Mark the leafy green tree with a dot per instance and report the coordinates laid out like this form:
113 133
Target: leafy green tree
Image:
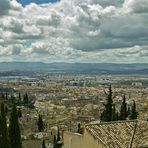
123 111
4 131
134 113
40 124
14 129
107 113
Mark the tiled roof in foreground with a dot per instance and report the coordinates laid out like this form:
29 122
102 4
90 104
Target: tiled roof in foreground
121 134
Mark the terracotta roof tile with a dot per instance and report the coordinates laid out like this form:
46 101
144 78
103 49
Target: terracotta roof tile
120 134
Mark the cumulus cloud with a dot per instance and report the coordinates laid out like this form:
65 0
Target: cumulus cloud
75 31
137 6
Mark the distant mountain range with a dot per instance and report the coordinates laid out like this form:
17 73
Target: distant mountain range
83 68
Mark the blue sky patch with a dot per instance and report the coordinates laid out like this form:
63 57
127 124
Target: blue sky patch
26 2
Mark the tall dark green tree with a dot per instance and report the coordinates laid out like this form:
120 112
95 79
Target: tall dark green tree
0 131
117 116
43 144
79 127
26 99
58 135
107 113
123 111
19 97
114 113
19 113
54 142
6 96
134 113
13 99
57 143
2 96
128 111
4 131
14 129
40 124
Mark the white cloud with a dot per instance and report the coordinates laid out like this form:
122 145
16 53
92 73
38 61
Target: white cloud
75 31
4 7
137 6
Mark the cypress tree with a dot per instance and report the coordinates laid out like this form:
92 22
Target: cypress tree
114 113
134 113
40 123
123 111
55 142
14 129
43 144
128 111
19 113
79 127
0 132
58 135
6 96
6 110
107 113
19 98
3 96
13 99
27 99
4 131
117 116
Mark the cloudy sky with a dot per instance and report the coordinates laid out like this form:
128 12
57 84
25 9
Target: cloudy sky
74 31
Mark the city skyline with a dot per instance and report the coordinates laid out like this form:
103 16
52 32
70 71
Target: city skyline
90 31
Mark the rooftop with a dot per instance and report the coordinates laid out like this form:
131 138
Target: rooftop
121 134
